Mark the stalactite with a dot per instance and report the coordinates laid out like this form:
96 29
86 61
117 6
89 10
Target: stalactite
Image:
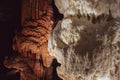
38 7
28 6
31 8
35 8
45 6
42 8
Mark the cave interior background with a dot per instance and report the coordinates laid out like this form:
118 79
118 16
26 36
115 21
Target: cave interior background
10 20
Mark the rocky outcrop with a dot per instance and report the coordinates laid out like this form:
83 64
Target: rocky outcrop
87 41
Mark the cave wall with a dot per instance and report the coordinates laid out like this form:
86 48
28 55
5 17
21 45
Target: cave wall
83 37
30 57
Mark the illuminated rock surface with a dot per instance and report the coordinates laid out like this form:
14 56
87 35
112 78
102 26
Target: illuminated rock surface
87 41
31 58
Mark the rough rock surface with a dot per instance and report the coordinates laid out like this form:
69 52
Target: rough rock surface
30 43
87 41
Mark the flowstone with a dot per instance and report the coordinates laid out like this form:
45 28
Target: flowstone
87 41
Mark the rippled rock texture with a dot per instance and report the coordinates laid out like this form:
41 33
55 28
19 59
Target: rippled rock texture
87 41
30 44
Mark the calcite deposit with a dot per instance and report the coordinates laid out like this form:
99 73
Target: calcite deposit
30 45
87 41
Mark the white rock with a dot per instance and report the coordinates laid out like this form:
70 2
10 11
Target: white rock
85 50
97 7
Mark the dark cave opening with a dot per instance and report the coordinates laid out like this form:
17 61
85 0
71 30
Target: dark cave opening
10 20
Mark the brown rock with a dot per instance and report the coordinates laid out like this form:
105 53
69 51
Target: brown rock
34 61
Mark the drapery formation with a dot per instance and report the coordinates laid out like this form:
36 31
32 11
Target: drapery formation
32 58
34 9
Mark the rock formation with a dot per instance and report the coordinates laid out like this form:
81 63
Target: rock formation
30 44
87 41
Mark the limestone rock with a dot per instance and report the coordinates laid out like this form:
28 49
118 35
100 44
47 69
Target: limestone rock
91 7
87 46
